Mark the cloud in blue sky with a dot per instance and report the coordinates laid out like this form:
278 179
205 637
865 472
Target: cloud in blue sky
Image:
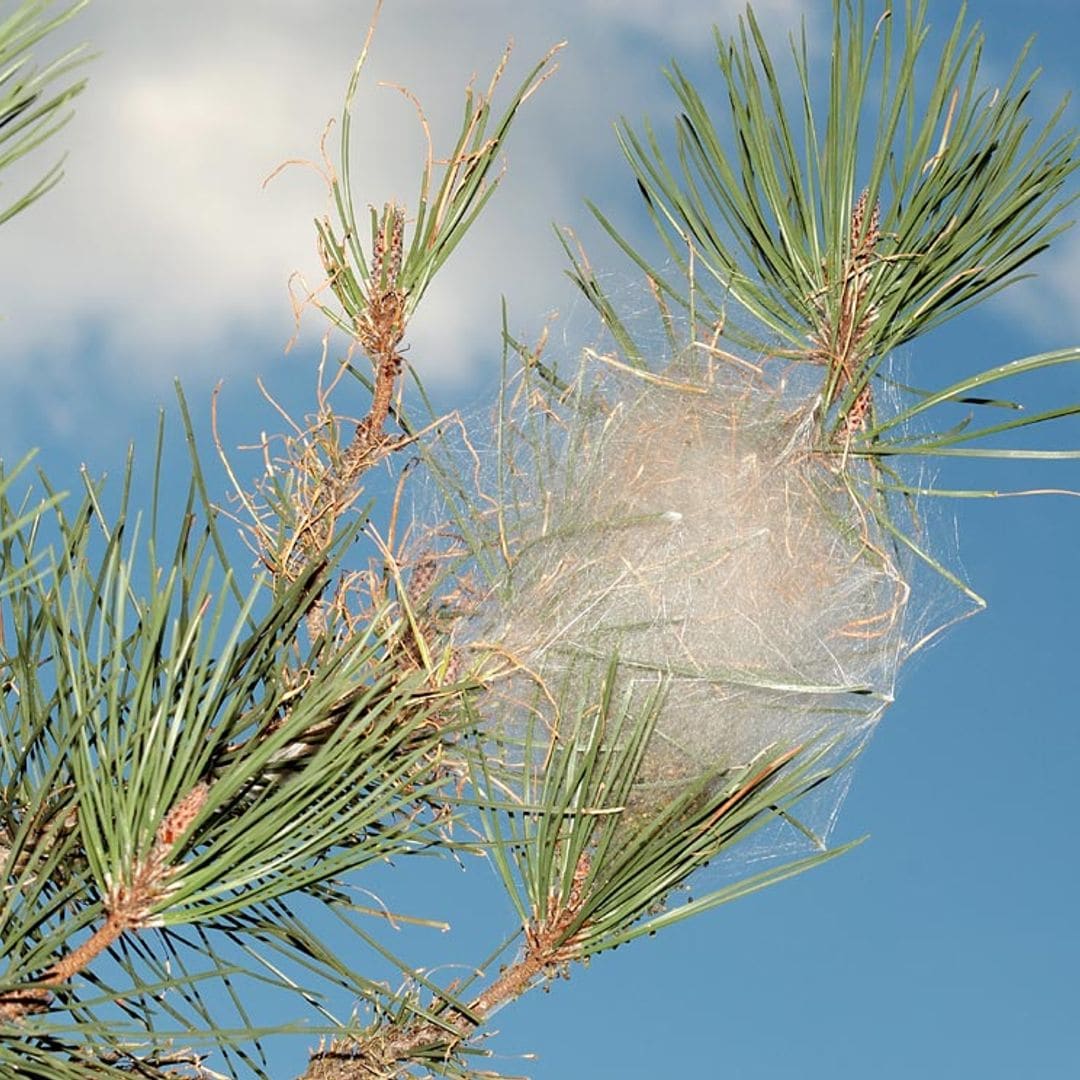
162 247
161 240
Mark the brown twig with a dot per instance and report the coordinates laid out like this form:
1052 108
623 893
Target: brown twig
551 944
129 905
840 335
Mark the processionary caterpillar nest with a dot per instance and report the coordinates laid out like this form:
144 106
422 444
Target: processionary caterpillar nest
685 527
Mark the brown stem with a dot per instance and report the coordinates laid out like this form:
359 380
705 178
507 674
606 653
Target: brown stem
81 957
14 1004
512 983
839 343
385 1054
550 946
128 906
379 330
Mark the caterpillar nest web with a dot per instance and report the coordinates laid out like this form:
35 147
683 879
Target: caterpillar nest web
683 528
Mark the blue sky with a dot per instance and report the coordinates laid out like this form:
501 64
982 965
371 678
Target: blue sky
947 945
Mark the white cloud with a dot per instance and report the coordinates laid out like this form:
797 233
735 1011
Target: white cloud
1048 301
162 247
161 243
